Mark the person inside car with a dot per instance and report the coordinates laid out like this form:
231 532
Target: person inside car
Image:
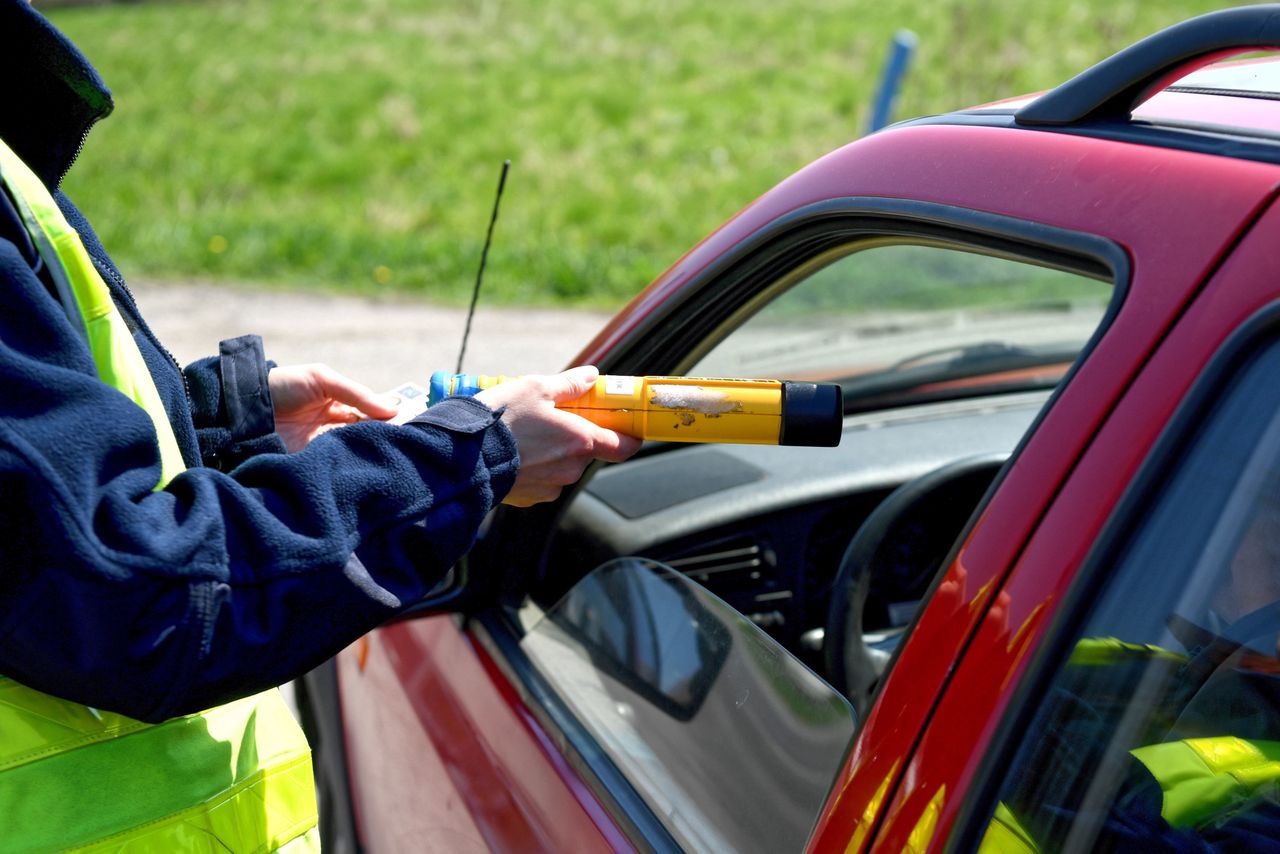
1204 721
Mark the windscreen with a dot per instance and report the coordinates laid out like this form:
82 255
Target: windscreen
897 324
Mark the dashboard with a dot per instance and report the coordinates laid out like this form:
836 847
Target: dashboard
765 527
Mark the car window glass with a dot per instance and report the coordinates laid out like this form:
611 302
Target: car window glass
733 742
903 323
1163 723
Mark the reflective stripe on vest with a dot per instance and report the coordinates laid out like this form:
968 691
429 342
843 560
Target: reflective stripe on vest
116 354
1006 835
236 778
1104 652
1209 778
1201 780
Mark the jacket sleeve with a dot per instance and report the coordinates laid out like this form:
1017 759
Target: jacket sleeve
155 603
231 404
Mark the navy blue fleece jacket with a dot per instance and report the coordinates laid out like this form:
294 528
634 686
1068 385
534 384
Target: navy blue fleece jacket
243 572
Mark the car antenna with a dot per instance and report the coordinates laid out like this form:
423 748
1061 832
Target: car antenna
484 257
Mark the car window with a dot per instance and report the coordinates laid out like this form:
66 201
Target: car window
1162 726
732 742
904 323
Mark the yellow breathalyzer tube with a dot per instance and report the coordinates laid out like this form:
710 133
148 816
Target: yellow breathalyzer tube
694 409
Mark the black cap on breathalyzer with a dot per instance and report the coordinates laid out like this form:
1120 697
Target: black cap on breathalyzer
812 414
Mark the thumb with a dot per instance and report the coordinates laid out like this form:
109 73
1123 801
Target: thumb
572 384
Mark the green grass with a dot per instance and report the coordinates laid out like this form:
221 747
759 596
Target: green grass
925 278
355 144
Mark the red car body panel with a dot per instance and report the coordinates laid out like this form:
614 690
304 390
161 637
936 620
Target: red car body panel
954 746
486 774
952 614
997 170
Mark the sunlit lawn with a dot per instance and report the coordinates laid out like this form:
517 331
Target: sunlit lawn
356 143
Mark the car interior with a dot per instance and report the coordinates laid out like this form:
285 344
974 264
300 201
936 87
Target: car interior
947 352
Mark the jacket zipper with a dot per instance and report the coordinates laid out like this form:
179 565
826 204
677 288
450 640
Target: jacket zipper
84 136
106 270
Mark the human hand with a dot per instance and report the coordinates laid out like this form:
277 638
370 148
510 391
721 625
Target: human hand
555 446
310 399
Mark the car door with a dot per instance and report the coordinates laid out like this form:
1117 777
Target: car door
450 733
1137 620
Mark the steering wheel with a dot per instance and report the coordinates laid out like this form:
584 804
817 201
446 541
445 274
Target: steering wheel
892 559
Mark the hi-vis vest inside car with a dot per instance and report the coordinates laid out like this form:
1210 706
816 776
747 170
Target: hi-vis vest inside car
1203 781
236 778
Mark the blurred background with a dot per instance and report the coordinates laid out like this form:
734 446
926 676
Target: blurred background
354 146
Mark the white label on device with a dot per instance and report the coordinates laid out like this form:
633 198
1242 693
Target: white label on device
620 385
411 400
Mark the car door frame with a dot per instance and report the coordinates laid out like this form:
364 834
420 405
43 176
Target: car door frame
1004 671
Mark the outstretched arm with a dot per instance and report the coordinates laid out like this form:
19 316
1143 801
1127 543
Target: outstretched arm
160 602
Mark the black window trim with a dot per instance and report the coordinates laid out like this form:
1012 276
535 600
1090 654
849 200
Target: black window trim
1261 330
740 275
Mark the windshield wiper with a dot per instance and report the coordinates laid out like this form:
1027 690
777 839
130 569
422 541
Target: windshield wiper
971 356
948 364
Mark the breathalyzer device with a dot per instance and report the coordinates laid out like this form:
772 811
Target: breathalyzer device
693 409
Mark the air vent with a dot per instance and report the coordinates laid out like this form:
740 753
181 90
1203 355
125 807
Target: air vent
740 563
742 571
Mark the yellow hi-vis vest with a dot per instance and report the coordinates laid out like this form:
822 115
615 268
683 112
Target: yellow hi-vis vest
233 779
1202 780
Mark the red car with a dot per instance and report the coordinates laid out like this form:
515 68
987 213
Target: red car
1029 603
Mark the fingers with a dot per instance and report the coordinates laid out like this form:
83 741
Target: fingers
545 481
547 467
610 446
535 389
342 413
568 436
555 446
355 394
571 384
595 442
521 496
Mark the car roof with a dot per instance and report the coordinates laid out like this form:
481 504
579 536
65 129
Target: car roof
1240 96
1168 90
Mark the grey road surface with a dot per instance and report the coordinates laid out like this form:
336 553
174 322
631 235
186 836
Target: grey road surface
381 342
